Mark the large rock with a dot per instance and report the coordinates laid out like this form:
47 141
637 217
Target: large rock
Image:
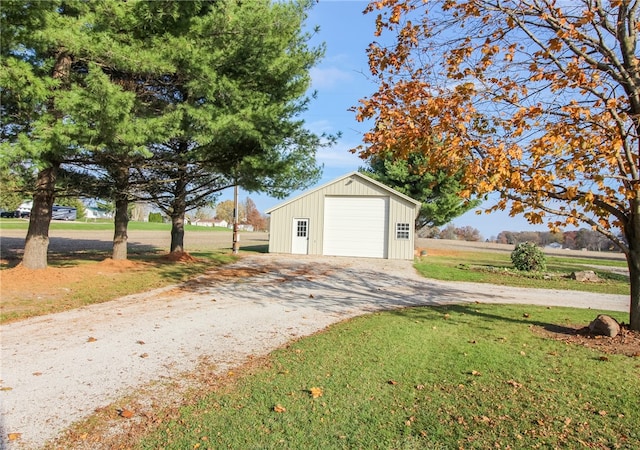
586 276
604 325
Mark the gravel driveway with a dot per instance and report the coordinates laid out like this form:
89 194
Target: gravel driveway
59 368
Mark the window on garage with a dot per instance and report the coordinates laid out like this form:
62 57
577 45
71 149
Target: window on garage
402 231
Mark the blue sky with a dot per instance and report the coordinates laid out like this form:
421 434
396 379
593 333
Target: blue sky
341 79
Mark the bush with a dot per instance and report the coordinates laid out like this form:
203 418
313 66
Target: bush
155 217
528 257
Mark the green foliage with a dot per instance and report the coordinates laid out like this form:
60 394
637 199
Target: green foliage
438 192
528 257
155 217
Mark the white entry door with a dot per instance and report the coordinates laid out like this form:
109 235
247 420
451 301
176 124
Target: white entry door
300 243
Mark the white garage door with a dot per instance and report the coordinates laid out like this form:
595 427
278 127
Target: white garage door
355 226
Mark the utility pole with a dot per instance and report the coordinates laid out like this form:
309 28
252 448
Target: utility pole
236 236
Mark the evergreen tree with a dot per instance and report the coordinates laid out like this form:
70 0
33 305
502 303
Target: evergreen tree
61 63
234 98
438 191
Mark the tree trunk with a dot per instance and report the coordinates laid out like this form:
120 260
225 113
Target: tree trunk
36 244
37 241
177 233
632 252
120 234
633 259
122 214
178 208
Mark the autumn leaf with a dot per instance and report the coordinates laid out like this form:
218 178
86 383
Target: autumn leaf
315 392
279 408
127 414
91 339
14 436
392 382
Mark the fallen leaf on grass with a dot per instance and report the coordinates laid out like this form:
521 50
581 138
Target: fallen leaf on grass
279 408
315 392
392 382
127 414
475 373
514 383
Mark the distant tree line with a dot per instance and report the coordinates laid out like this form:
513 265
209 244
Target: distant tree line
466 233
583 238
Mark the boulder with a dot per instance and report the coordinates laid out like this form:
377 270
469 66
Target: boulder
586 276
604 325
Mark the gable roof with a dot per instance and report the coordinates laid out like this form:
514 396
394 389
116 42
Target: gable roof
337 180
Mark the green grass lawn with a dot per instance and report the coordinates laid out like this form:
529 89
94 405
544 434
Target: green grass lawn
496 268
21 224
475 376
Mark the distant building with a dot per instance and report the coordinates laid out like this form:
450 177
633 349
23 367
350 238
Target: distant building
92 213
209 223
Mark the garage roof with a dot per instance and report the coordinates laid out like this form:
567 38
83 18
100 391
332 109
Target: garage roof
351 174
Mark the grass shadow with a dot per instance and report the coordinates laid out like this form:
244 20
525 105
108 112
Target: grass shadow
264 248
473 310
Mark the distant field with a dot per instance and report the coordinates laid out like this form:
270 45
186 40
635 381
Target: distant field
445 244
23 224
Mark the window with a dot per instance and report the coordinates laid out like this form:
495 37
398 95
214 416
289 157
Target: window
302 228
402 231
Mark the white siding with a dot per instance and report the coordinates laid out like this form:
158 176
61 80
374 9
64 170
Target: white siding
311 205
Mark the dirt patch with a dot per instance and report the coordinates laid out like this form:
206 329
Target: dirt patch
182 257
26 282
627 342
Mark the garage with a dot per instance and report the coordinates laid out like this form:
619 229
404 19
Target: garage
352 216
355 226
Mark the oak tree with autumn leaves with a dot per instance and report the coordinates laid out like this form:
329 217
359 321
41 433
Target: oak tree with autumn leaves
538 100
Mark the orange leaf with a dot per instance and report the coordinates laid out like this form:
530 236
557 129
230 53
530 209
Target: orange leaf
279 408
315 392
91 339
14 436
127 414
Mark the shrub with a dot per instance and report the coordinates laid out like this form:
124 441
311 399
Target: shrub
155 217
528 257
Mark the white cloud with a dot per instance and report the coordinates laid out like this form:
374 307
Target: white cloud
339 157
329 78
